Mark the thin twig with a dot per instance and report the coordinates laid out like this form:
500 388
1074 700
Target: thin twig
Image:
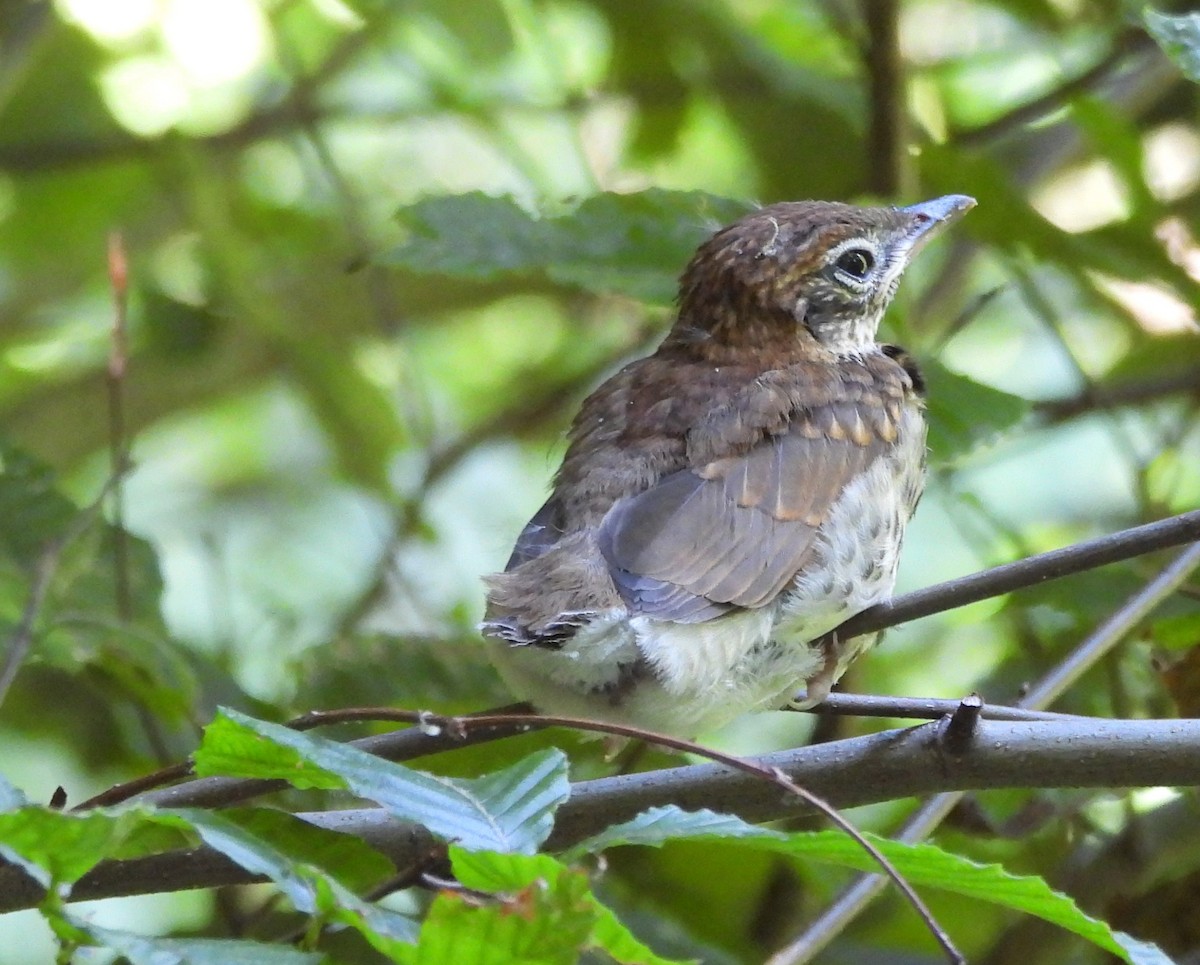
1127 43
118 367
919 708
1186 381
851 902
774 775
1077 558
22 637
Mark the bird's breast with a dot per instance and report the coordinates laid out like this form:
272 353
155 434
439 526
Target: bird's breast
857 549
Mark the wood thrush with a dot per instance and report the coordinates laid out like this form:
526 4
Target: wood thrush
727 501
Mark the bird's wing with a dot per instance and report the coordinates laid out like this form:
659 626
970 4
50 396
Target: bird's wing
539 535
736 530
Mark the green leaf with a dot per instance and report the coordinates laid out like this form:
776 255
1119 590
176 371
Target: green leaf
195 951
58 848
510 810
658 825
545 912
349 860
633 244
921 864
1181 632
965 414
307 887
1138 952
546 921
295 879
1179 37
232 748
32 510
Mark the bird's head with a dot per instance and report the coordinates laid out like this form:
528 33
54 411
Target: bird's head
806 269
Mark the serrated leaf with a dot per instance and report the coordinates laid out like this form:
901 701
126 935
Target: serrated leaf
1179 38
633 244
921 864
60 848
230 748
541 891
544 923
295 879
657 825
964 414
510 810
307 887
195 951
349 860
1138 952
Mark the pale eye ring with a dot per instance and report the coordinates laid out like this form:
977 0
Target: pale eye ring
855 264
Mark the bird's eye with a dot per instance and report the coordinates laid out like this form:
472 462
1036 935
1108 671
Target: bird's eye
856 263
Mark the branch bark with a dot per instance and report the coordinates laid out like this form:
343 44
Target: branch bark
907 762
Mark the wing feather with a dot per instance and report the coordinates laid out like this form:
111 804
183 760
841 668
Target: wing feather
735 531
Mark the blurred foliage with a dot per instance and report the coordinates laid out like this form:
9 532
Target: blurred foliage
378 253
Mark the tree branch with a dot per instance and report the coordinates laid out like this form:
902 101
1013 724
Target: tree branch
1068 752
1088 555
1183 382
407 744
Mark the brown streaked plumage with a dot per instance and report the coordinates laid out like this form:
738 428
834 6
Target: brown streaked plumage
737 494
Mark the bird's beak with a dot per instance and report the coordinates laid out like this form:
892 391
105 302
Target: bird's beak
929 218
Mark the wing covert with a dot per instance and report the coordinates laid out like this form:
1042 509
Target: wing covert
735 531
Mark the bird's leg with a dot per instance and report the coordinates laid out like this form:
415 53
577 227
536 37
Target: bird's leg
817 686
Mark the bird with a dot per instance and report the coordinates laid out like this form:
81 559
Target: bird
726 502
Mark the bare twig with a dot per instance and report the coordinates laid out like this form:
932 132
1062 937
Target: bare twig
1127 43
1087 555
922 708
1185 382
44 569
118 367
22 637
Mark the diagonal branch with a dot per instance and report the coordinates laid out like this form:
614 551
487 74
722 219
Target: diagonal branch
1052 565
856 896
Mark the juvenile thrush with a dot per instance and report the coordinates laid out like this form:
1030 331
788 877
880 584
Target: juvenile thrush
727 501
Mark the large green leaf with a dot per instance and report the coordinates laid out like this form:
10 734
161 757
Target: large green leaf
921 864
634 244
306 886
58 847
349 860
32 510
510 810
545 913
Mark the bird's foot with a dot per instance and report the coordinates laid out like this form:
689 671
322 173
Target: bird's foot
817 687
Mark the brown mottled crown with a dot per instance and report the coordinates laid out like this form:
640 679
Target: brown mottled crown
777 271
